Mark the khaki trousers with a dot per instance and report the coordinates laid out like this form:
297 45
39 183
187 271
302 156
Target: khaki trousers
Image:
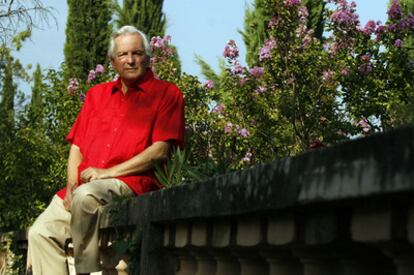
48 234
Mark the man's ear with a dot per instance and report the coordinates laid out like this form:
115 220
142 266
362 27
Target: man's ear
148 61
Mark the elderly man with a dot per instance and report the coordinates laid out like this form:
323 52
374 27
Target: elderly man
122 128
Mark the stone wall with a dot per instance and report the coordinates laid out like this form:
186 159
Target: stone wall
346 209
343 210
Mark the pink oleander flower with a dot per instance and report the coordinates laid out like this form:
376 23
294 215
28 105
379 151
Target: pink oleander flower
261 89
237 68
345 15
243 132
292 2
228 128
398 43
167 38
157 42
366 57
100 69
410 21
316 143
73 86
364 125
392 27
242 81
230 50
265 51
209 84
256 71
345 72
380 31
365 69
162 44
218 109
91 76
290 81
303 13
327 75
341 133
247 157
369 27
308 38
395 10
273 22
82 97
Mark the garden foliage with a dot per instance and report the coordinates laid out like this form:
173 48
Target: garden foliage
303 91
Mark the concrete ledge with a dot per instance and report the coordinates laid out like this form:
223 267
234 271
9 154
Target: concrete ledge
378 165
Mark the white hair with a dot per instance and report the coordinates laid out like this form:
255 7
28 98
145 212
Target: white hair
130 30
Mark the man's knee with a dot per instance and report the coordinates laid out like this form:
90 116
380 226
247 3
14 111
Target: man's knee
35 232
83 198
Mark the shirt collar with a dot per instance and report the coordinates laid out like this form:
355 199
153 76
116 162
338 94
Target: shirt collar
142 84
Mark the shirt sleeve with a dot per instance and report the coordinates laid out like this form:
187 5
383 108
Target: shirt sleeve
78 130
169 122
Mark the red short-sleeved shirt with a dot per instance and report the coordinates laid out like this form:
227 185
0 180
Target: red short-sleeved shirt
112 127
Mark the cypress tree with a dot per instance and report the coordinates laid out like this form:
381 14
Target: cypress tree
407 7
255 30
8 92
36 103
146 15
257 17
316 19
87 33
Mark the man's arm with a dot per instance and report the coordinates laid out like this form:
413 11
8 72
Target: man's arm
159 151
75 158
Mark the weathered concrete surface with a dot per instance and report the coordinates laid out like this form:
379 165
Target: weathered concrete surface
376 165
348 203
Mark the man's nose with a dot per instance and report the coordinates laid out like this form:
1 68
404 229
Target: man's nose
130 58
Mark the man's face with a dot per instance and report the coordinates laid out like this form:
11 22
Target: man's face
130 60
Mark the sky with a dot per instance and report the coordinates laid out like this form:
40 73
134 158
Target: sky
197 27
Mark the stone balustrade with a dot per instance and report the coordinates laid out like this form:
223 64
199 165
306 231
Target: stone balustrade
343 210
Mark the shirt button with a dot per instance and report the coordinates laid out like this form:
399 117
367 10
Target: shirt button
103 162
108 145
115 129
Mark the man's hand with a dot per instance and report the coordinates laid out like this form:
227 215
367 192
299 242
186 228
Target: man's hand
68 197
92 173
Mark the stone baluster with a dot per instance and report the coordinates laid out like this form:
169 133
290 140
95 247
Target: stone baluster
249 235
206 264
281 231
319 228
221 235
108 256
403 259
186 262
252 264
182 235
282 262
373 225
226 264
317 260
187 265
166 237
410 225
